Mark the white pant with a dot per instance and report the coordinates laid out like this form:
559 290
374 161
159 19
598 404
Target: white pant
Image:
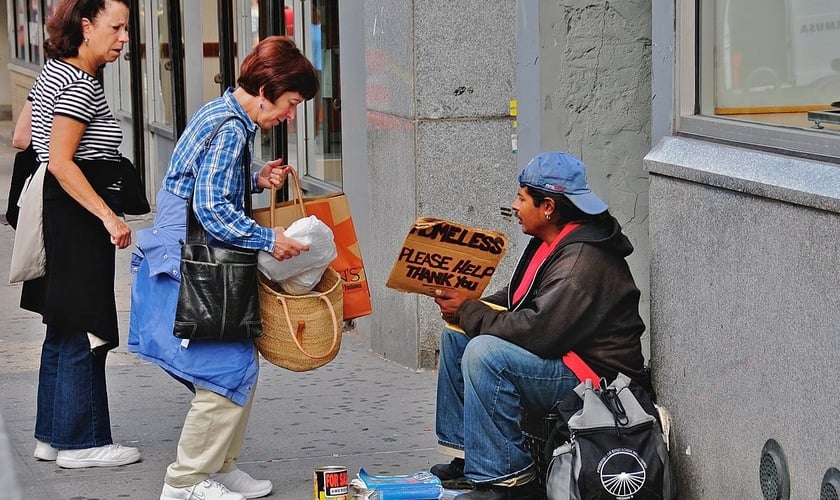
211 439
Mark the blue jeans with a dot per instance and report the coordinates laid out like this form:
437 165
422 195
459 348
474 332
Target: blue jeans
72 398
482 385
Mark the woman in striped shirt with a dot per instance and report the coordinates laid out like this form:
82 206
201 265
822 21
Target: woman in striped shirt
72 126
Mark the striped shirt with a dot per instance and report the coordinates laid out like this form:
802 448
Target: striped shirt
62 89
216 174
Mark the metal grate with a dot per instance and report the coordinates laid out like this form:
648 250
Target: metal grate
769 478
830 489
773 472
536 430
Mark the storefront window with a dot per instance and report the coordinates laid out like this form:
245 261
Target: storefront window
29 19
312 141
775 60
161 99
315 136
36 32
21 31
761 72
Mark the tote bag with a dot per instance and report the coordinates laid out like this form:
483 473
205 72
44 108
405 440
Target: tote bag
301 332
29 259
217 297
334 211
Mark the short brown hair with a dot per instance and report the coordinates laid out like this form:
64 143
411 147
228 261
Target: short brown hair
278 66
64 28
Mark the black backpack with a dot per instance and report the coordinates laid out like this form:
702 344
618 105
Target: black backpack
608 445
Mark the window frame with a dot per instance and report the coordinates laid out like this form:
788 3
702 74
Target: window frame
694 28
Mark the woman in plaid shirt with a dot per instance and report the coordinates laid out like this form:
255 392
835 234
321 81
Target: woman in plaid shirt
274 79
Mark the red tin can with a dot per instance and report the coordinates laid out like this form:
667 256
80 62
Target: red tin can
331 483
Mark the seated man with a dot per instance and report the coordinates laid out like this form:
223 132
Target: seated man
571 312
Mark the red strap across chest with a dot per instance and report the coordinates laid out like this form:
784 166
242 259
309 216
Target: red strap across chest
537 260
572 361
579 367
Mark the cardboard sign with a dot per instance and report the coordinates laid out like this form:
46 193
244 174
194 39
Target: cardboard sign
440 254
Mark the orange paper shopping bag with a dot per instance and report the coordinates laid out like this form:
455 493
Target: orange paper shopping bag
334 211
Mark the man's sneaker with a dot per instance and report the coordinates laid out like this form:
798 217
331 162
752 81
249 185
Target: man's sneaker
451 475
205 490
43 451
103 456
241 482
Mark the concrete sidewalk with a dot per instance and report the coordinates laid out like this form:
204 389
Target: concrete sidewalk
357 411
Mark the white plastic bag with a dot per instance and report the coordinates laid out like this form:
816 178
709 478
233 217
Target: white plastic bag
301 273
302 283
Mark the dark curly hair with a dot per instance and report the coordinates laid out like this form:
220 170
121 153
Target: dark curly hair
278 66
64 28
564 210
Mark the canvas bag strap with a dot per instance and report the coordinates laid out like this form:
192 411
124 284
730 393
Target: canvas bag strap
580 368
572 361
195 231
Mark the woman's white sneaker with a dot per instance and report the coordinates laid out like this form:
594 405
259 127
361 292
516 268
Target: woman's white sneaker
43 451
241 482
205 490
109 455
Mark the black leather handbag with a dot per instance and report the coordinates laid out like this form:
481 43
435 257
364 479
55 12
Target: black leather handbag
218 297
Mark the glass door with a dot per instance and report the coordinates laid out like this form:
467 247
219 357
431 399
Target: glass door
314 137
190 53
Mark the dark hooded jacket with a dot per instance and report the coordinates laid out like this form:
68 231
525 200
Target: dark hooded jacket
583 298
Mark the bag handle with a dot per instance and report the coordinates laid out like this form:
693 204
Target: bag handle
580 368
195 231
297 194
298 333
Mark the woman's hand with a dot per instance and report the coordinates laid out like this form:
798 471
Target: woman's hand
119 231
274 173
449 302
285 247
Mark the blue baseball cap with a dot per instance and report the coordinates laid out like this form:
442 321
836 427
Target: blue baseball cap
558 172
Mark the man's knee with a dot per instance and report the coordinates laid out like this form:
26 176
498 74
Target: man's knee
482 353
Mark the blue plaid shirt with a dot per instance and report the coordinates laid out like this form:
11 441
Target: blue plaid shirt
215 173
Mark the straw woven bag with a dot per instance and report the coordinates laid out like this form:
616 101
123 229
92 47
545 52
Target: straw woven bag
301 332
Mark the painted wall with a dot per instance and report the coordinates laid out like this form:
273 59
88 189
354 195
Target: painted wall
595 93
440 77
